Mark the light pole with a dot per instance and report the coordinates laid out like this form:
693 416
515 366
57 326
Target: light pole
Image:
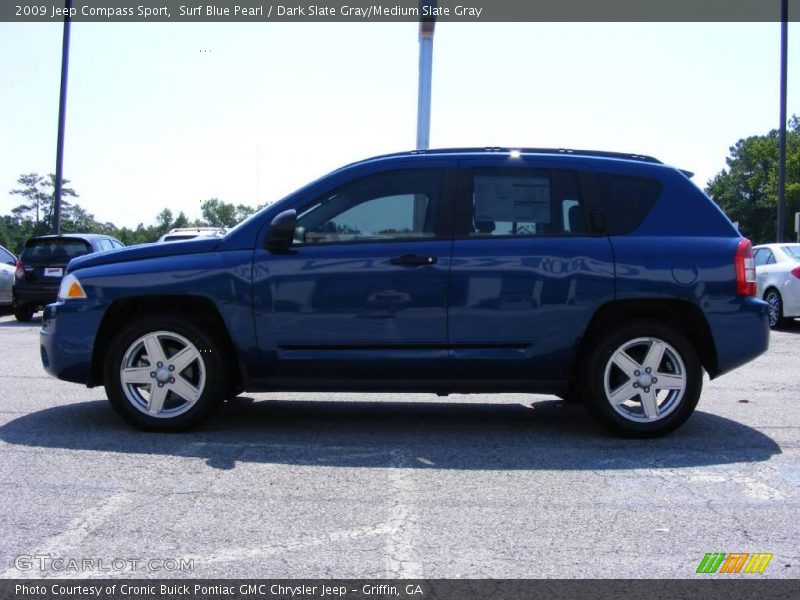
62 113
426 27
782 143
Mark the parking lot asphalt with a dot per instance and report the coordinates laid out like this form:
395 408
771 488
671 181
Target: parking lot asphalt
400 485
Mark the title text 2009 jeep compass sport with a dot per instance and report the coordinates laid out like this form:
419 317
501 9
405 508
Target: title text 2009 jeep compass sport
605 277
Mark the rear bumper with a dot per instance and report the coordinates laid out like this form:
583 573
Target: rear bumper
67 339
740 331
34 296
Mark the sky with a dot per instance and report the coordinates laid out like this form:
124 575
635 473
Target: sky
170 114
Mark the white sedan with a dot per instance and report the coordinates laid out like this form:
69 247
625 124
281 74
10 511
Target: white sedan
778 280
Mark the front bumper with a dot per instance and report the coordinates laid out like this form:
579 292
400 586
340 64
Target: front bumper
67 337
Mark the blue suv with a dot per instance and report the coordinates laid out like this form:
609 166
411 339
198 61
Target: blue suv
599 277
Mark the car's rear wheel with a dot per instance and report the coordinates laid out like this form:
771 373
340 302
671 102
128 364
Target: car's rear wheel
644 379
775 303
23 313
164 373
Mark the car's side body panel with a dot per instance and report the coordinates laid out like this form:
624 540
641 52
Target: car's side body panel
345 312
698 270
224 279
518 307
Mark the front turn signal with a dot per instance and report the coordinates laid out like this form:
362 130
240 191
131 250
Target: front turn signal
70 288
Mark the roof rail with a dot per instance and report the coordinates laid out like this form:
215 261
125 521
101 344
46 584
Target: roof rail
570 151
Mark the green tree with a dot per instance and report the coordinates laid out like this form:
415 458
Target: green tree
38 206
217 213
35 216
181 220
164 219
748 189
13 233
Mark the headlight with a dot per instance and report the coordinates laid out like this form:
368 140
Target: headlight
70 288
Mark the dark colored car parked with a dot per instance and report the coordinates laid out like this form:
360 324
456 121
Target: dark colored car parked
42 263
599 277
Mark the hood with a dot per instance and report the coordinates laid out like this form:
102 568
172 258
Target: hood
144 251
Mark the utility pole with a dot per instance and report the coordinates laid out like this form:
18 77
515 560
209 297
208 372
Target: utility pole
426 27
782 144
62 114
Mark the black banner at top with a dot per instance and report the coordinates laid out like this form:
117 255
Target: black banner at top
321 11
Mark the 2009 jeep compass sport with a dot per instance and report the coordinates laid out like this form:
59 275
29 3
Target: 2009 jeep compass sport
604 277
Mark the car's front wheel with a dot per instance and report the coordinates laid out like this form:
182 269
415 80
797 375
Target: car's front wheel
644 379
164 373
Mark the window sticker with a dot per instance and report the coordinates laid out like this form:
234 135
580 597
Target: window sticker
512 199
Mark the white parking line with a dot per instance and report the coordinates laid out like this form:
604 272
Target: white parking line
74 534
402 558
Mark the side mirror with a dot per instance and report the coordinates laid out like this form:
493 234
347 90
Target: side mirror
281 231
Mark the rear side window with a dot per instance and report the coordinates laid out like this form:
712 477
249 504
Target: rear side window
763 257
626 200
792 251
522 202
56 250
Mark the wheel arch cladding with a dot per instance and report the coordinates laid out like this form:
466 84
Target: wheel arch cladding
202 310
681 314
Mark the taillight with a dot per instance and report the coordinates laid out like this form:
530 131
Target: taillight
20 272
796 272
745 269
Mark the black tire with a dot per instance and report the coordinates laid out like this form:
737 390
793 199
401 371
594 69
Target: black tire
23 314
667 408
205 375
775 301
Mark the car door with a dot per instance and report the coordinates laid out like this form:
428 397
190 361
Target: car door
7 267
764 260
526 275
360 298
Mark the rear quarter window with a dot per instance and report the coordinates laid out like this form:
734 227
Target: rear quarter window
792 252
54 250
626 200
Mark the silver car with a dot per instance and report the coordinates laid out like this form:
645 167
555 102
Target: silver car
8 264
778 280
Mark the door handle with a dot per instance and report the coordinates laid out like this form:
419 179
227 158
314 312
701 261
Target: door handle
412 260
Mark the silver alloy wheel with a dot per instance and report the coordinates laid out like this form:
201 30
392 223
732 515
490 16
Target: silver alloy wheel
162 374
775 309
645 379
